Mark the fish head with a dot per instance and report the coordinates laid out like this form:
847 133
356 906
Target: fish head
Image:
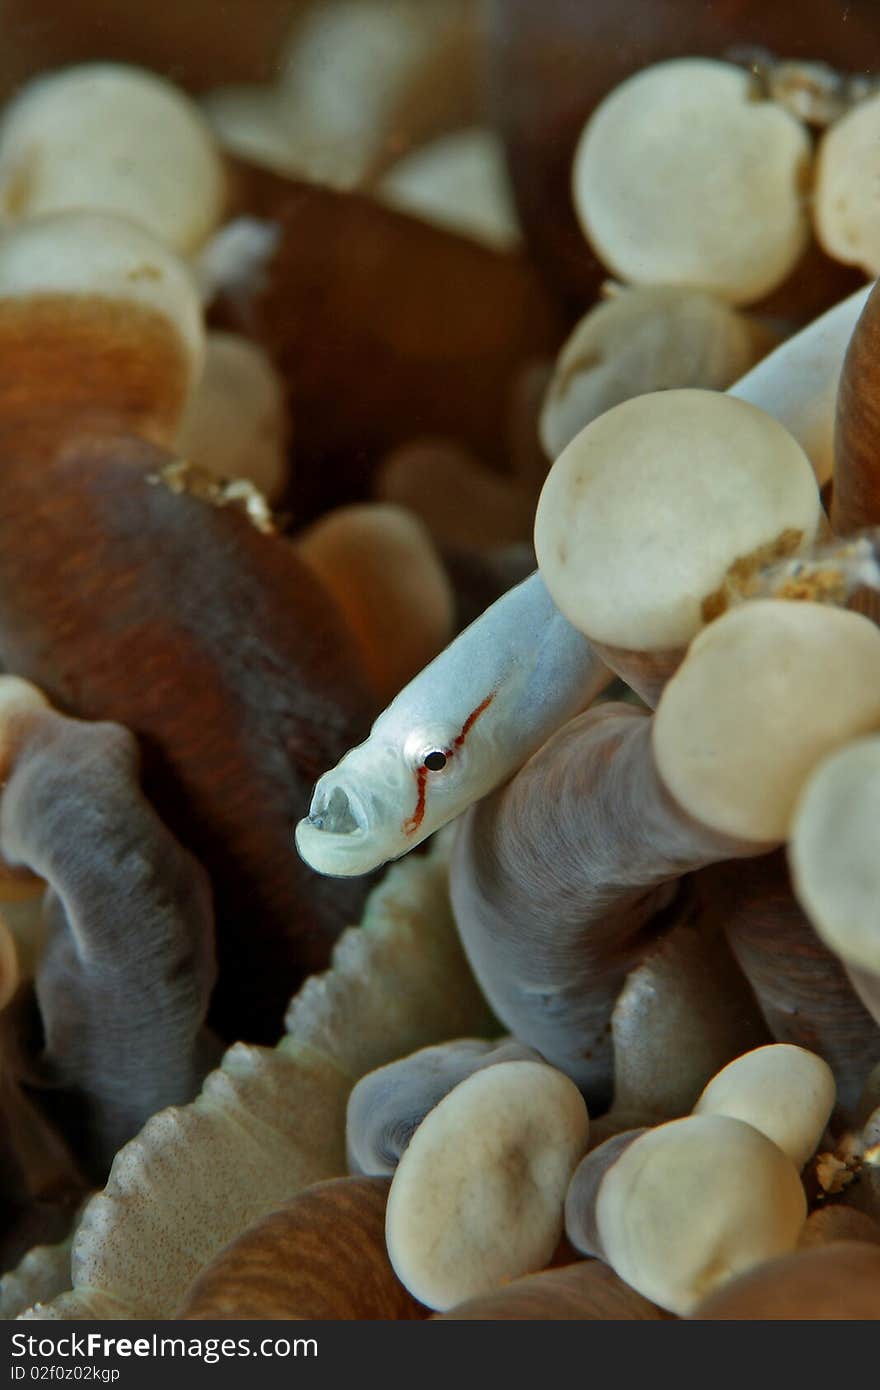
390 793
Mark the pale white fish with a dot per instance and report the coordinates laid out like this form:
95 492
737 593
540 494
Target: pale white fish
464 725
471 719
797 382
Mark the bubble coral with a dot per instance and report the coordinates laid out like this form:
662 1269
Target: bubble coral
550 67
327 117
387 1106
786 1092
844 211
405 363
581 1226
828 1224
458 181
648 507
321 1255
584 1292
690 1204
315 1067
683 1012
461 502
584 847
656 205
114 139
235 423
121 591
639 339
127 966
476 1198
777 513
832 853
41 1274
797 383
839 1281
199 42
380 565
269 1122
801 986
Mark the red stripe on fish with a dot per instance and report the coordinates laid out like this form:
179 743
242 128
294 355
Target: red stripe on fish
410 826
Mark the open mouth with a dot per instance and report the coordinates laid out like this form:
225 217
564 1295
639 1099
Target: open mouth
336 813
334 837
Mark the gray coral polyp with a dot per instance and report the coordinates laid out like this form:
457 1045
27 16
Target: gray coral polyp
128 963
558 880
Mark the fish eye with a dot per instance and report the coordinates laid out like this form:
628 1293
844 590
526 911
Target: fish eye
435 761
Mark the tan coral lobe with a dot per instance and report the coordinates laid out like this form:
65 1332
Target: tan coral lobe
235 424
680 178
845 209
765 692
477 1196
89 287
833 852
457 181
112 139
835 1282
786 1092
648 506
387 1105
692 1203
381 566
320 1255
640 339
586 1291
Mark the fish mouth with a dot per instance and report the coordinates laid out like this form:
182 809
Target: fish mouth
332 837
335 810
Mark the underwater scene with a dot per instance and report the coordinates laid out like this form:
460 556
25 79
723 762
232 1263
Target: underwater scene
439 660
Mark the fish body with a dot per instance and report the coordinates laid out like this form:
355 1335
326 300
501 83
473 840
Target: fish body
461 727
797 382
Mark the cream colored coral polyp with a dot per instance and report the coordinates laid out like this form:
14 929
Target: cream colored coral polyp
846 205
784 1091
692 1203
834 852
458 181
360 552
646 509
247 121
235 422
477 1197
764 693
680 177
115 139
363 76
98 255
642 339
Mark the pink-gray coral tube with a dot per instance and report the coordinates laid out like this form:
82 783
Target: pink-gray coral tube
128 964
557 880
